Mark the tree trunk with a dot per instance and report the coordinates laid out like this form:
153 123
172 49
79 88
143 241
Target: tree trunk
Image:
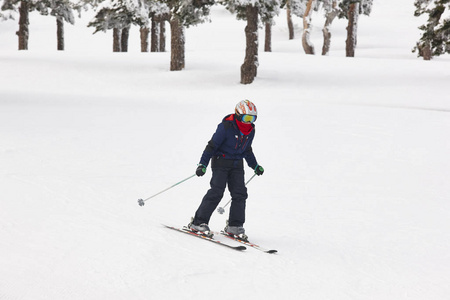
329 18
352 27
250 65
60 33
430 38
144 39
177 45
425 51
124 39
24 21
289 20
116 39
162 36
307 45
268 38
155 36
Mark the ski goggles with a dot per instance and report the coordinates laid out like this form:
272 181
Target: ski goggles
248 118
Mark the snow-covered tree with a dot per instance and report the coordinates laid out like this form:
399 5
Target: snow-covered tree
304 10
61 9
252 11
272 8
351 9
435 39
159 14
298 7
306 42
287 4
183 14
119 15
331 11
24 7
293 7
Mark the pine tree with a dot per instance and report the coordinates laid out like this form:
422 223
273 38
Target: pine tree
62 10
331 11
298 7
435 39
183 14
290 24
351 9
24 7
293 7
306 42
159 14
304 9
119 15
252 11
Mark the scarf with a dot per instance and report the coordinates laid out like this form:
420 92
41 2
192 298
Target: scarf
245 128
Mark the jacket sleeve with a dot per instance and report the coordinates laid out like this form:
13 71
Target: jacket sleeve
212 146
250 158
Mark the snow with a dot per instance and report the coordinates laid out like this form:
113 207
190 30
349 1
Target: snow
354 196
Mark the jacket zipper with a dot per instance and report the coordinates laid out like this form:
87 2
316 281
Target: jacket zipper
246 140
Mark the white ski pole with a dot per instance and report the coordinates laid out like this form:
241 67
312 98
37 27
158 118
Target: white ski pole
141 201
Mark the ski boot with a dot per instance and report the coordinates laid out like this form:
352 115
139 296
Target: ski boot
203 228
236 232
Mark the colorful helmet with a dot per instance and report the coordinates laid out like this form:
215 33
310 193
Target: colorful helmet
246 111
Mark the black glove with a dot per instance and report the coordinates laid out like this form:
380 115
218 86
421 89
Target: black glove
259 170
201 170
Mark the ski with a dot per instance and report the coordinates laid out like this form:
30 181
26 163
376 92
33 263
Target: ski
247 243
211 239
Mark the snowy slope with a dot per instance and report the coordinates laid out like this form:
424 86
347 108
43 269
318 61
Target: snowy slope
354 197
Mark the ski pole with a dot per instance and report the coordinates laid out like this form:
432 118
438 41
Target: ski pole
221 210
141 201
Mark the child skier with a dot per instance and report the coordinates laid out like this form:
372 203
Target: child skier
230 144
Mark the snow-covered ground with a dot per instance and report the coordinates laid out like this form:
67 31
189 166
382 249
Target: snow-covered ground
356 150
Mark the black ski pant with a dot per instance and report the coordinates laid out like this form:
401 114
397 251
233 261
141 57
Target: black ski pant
221 176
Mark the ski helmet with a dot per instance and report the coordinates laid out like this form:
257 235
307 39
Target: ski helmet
246 111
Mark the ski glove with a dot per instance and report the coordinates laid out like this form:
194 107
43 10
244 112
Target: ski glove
201 170
259 170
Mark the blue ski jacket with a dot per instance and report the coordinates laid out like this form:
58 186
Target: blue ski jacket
229 144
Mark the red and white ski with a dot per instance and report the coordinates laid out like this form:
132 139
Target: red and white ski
204 237
248 243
